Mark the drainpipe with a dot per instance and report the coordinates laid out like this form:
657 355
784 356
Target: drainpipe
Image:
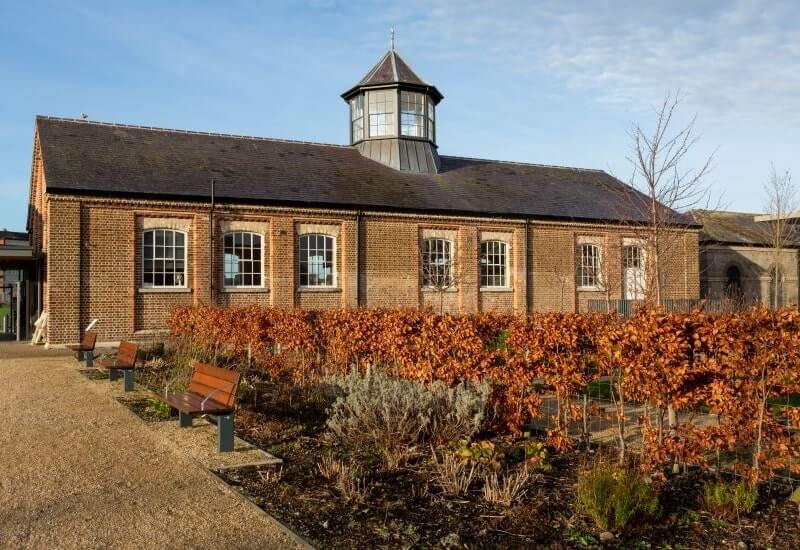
524 256
211 245
359 214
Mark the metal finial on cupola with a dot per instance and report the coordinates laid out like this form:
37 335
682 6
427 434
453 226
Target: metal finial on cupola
391 39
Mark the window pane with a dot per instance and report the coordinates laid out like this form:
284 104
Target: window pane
163 258
493 264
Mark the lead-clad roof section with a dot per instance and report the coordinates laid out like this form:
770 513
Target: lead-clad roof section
130 161
391 69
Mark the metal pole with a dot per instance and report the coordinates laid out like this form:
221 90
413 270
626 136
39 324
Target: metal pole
19 311
211 245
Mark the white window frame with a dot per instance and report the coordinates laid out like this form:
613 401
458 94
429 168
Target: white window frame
153 230
430 119
505 265
425 256
334 278
409 103
390 102
260 260
355 103
598 277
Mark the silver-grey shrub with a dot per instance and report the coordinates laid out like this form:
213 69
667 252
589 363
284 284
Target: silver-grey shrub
458 411
392 417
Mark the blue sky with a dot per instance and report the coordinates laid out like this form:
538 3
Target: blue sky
546 82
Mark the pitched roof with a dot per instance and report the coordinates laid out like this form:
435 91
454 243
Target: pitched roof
13 235
721 226
392 69
110 159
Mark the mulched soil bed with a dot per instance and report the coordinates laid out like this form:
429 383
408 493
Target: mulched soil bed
405 509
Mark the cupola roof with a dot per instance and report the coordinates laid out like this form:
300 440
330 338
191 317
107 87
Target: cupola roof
392 69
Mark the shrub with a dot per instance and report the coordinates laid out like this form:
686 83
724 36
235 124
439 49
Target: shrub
612 495
158 408
729 500
385 415
458 411
453 475
392 417
506 488
347 478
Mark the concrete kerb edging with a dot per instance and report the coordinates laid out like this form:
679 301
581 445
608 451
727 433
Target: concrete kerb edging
300 541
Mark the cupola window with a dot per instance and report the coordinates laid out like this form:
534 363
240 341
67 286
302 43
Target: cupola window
381 113
412 114
357 118
431 121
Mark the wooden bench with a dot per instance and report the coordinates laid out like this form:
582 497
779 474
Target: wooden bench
125 362
212 392
86 348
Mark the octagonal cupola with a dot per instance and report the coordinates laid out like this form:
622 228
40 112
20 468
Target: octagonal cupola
393 116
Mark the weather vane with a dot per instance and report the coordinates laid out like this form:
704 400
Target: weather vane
391 39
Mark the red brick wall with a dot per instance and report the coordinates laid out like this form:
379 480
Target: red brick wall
94 263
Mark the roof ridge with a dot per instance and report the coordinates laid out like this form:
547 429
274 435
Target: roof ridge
189 132
394 66
526 163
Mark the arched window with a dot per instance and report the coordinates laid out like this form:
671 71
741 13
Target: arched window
437 263
493 264
317 260
163 258
242 259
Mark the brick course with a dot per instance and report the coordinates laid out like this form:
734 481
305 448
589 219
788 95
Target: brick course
94 263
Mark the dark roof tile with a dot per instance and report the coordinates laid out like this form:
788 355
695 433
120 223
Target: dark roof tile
90 157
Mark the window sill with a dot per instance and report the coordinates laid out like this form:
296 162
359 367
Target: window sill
157 290
496 289
323 289
591 289
245 290
436 290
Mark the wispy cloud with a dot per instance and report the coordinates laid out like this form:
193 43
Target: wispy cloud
729 58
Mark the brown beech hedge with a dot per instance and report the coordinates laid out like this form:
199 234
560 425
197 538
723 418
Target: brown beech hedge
734 370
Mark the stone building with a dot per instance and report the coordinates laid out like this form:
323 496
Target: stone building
739 263
130 221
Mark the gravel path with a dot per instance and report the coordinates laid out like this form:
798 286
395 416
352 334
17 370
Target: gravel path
78 470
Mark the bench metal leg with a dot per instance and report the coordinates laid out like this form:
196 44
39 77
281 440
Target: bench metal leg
89 359
184 420
128 374
225 433
113 374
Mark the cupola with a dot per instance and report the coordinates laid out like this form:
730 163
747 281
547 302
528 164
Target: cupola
393 116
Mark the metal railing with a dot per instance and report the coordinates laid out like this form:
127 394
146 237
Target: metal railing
627 308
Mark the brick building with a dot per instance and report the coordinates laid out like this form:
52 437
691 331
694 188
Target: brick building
126 224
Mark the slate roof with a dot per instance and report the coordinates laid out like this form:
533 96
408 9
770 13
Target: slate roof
117 160
721 226
392 69
13 235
